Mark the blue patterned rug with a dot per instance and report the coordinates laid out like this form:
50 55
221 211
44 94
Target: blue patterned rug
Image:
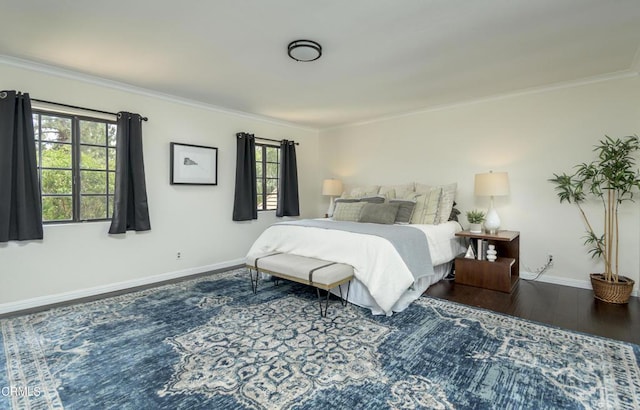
210 343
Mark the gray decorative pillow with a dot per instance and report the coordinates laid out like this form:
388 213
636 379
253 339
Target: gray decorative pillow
348 211
376 199
405 209
379 213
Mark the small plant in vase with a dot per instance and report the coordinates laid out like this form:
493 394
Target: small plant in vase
475 218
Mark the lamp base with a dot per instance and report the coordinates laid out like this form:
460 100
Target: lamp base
492 221
331 207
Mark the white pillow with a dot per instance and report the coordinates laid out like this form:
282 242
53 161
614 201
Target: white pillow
360 192
446 202
426 208
395 191
446 199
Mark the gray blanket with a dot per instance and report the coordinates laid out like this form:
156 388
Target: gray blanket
411 243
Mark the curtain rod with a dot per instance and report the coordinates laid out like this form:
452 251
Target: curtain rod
81 108
269 139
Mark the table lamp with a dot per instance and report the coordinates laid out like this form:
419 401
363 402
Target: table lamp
492 184
332 188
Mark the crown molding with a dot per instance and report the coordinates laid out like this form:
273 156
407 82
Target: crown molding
120 86
496 97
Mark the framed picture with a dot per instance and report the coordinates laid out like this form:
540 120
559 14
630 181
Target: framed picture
193 164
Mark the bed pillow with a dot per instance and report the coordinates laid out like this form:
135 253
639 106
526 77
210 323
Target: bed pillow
396 191
426 209
346 200
423 188
360 192
348 211
446 202
375 199
405 209
379 213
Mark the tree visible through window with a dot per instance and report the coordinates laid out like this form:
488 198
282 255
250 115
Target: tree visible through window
267 168
76 159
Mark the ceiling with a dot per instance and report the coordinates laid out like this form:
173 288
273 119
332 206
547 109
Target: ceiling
380 57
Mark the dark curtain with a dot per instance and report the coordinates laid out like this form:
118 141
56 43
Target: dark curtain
246 196
288 203
131 210
20 202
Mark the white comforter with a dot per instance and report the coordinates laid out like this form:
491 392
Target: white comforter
376 262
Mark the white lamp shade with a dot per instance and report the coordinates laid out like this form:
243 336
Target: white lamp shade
332 187
492 184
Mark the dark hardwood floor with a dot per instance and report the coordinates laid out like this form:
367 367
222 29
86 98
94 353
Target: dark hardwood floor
562 306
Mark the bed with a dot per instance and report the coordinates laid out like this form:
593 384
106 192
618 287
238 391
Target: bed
383 282
399 239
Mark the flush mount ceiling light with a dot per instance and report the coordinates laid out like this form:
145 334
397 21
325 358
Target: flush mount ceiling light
304 50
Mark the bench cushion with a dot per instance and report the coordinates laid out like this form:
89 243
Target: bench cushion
297 268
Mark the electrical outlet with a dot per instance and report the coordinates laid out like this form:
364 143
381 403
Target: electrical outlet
178 255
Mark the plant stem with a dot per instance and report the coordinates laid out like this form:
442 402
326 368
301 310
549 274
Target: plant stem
590 229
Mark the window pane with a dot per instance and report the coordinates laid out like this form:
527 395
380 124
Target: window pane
56 129
258 169
37 154
272 170
272 186
111 134
56 182
36 128
272 199
259 185
56 155
57 208
92 132
93 182
93 157
258 153
272 154
112 182
112 159
93 207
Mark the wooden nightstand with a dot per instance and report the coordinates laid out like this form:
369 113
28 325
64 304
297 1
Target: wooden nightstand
503 274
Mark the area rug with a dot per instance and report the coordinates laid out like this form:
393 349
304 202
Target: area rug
210 343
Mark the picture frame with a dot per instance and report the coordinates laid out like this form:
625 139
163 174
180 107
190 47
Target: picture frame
193 164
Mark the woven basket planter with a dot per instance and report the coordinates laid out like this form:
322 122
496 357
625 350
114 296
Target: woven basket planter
612 292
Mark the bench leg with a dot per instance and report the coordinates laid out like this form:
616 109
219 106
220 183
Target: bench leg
345 300
254 282
323 313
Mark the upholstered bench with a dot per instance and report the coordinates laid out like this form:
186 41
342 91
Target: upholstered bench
309 271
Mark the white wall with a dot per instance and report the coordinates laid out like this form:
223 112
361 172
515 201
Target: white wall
75 259
531 136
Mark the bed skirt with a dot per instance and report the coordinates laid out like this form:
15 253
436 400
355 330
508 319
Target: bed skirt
359 295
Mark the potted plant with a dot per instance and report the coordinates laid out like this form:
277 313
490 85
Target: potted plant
611 179
475 219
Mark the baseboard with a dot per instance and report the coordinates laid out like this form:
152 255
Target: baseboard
112 287
557 280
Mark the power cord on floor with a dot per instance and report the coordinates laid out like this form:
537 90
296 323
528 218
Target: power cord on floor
541 270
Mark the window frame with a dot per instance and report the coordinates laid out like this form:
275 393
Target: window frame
76 164
264 178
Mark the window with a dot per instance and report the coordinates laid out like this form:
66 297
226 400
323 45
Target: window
76 159
267 168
